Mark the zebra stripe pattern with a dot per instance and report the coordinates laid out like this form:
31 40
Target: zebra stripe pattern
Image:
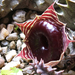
49 14
26 54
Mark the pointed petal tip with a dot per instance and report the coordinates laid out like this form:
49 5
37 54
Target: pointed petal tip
18 24
72 40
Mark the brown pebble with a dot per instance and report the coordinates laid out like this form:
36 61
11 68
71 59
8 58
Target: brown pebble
1 62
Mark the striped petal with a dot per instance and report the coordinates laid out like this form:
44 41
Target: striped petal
54 36
26 54
51 15
27 26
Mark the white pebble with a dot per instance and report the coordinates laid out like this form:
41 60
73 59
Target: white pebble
17 59
19 16
11 64
22 35
12 37
10 55
3 34
10 27
19 43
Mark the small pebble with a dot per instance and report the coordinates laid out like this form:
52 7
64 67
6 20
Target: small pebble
10 55
1 62
22 36
4 32
18 59
12 45
19 16
10 28
4 50
12 37
19 43
11 64
4 43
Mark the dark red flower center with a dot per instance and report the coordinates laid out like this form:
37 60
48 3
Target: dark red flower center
46 40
